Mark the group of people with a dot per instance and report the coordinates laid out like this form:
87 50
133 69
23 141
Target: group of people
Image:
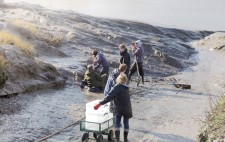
96 80
116 88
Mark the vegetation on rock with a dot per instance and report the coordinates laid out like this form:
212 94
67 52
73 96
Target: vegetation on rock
3 62
214 130
7 38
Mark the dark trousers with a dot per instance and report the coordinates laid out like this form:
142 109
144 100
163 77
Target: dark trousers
105 70
125 123
133 69
127 71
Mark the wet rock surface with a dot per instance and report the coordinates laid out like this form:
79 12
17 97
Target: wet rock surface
79 34
24 73
28 117
166 59
214 41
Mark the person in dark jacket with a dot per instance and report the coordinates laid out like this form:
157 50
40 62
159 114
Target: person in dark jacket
125 57
120 95
138 52
93 79
99 60
112 78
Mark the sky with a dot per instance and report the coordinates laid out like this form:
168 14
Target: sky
184 14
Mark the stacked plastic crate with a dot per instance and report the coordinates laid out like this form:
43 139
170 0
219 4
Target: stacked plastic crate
97 120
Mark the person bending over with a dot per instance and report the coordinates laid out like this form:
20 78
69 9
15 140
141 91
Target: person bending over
100 60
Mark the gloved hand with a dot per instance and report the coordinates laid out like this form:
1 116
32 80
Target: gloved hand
97 106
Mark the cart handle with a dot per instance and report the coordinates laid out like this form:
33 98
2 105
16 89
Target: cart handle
106 114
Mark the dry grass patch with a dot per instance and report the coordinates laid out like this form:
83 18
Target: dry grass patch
53 40
3 62
6 38
50 39
214 130
26 25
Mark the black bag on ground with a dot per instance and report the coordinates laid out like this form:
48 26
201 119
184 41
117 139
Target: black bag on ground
94 89
83 84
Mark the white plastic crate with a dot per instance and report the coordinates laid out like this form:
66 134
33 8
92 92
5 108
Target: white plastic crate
98 126
101 115
98 118
102 109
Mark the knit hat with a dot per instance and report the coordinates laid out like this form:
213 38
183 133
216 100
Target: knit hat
139 43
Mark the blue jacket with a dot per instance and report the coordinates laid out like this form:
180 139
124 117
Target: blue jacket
120 95
111 81
101 61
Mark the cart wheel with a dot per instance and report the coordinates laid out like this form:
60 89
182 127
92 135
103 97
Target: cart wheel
85 137
95 135
110 135
100 138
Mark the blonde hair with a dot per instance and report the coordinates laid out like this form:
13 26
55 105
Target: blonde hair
122 67
121 79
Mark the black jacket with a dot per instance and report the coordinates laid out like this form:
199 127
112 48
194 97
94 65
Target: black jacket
125 58
120 95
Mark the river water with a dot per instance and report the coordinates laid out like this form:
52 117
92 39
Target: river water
184 14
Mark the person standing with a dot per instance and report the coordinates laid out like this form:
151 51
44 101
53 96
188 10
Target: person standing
112 78
125 57
138 52
99 60
120 95
112 82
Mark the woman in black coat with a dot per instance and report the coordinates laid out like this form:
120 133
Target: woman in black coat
120 95
125 57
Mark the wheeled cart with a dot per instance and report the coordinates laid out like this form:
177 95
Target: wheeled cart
98 130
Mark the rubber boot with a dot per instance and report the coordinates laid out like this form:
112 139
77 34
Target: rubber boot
142 79
125 134
117 134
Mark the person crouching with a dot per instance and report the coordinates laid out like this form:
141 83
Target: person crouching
120 95
93 79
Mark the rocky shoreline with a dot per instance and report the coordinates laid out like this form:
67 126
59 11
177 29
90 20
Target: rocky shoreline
65 36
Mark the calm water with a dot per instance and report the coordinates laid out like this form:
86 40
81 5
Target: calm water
186 14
